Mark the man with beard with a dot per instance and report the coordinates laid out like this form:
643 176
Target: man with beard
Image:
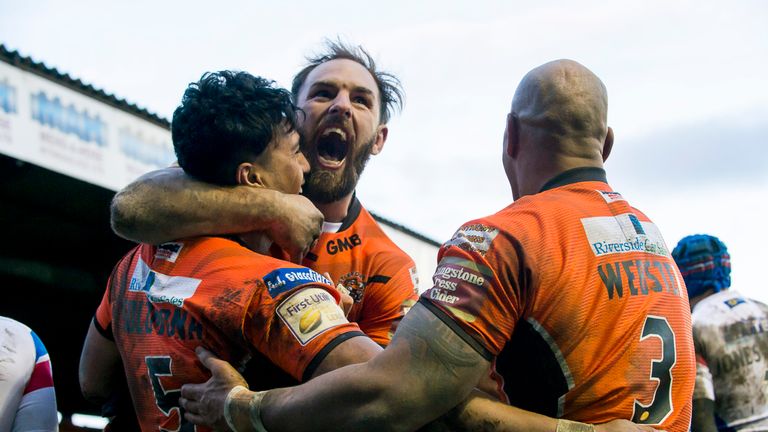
347 103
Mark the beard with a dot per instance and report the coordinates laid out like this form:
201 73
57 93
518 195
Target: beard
325 186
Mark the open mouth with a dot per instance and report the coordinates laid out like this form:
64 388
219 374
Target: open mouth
332 147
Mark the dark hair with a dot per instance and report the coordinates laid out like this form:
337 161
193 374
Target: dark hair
390 90
226 118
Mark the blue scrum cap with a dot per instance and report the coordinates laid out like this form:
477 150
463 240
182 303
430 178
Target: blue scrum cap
704 262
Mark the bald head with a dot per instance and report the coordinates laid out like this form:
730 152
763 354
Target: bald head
563 100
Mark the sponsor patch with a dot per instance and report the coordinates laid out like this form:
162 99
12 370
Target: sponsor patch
161 288
310 312
285 279
352 284
611 196
733 302
476 237
168 251
623 233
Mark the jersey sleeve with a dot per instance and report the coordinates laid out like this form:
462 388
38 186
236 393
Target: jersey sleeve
296 328
103 318
387 302
37 408
477 287
704 387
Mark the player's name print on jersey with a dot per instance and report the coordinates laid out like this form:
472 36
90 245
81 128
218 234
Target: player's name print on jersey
161 288
624 234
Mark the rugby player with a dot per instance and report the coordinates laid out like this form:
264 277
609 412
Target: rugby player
27 396
569 293
225 293
729 334
347 103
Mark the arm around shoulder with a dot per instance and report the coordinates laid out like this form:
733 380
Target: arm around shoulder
167 204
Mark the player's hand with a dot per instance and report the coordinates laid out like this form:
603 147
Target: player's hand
204 403
624 426
296 232
346 301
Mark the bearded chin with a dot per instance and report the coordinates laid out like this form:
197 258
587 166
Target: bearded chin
324 187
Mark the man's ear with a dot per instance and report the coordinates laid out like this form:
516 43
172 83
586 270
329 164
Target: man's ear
248 175
381 138
608 144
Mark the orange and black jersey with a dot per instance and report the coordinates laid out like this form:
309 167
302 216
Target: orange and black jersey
162 302
573 295
379 276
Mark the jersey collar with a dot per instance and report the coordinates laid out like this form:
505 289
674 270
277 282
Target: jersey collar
352 213
575 175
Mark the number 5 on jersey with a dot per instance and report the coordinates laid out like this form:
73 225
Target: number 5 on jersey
167 400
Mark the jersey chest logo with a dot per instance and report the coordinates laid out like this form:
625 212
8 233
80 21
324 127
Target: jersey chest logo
354 284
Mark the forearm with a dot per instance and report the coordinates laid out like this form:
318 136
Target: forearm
341 401
480 413
425 372
167 204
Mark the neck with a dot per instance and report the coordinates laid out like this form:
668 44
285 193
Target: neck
540 172
257 241
335 211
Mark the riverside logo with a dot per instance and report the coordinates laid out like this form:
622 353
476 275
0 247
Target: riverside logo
161 288
310 312
285 279
623 233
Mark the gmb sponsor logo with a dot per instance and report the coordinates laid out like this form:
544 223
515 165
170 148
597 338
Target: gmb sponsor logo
340 245
458 273
638 245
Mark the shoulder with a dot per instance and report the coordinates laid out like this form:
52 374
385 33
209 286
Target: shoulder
368 233
17 342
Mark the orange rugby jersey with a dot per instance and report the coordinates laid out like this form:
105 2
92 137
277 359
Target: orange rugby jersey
574 297
162 302
379 276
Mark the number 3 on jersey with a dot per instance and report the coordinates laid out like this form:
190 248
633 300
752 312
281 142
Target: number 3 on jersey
660 406
167 400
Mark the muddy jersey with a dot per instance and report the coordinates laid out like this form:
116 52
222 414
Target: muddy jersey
162 302
730 333
573 296
379 276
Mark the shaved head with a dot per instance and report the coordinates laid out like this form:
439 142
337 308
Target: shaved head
558 122
563 99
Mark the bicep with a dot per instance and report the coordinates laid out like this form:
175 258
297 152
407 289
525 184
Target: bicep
99 362
351 351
